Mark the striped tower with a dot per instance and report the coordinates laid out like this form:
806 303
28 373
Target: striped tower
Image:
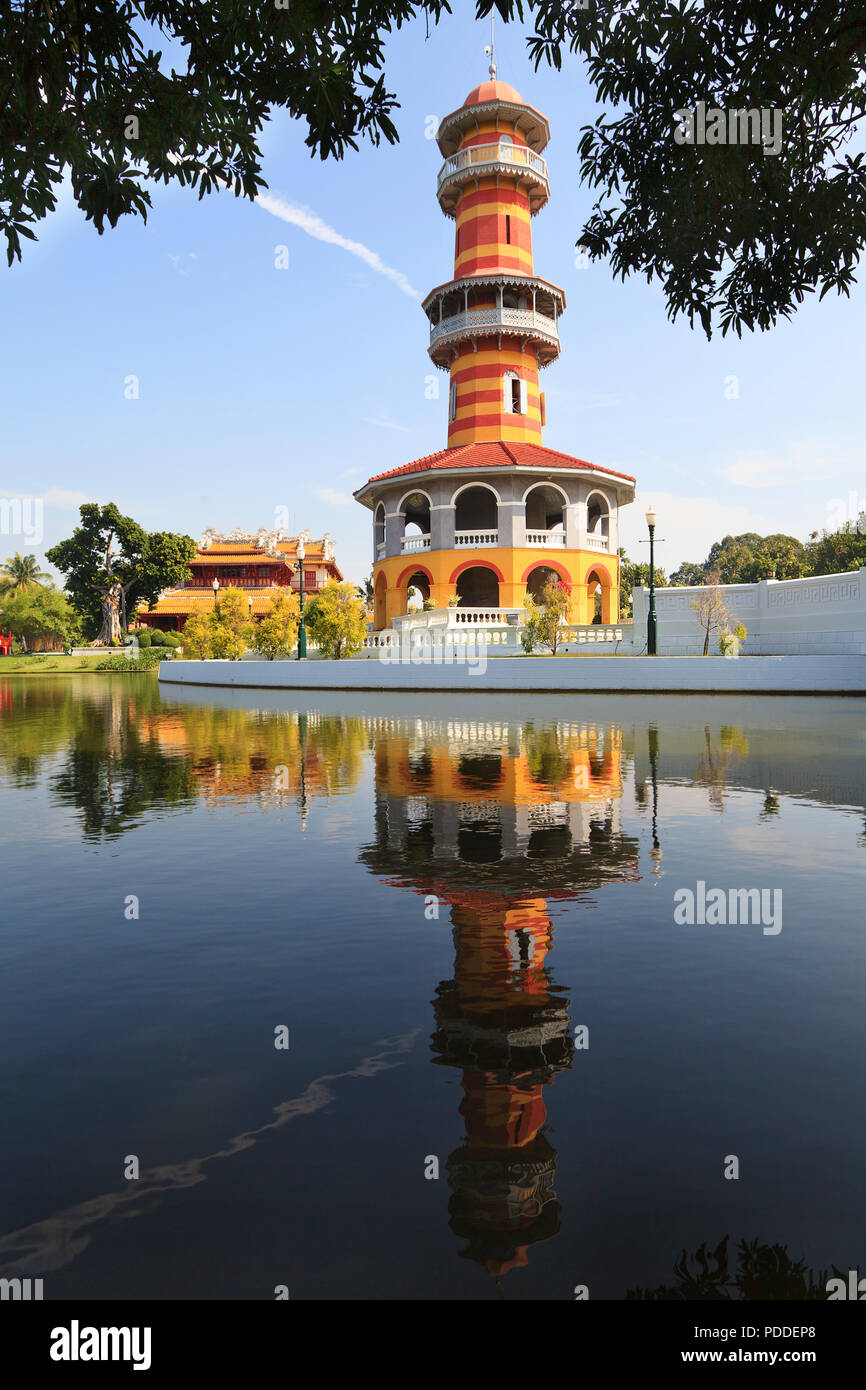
495 323
496 516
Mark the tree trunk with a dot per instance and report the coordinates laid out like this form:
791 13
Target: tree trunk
110 616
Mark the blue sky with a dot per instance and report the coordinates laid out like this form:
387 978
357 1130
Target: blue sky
264 389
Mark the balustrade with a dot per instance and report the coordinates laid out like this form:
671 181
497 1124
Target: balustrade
475 538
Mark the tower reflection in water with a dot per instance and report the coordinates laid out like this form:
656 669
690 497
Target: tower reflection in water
497 821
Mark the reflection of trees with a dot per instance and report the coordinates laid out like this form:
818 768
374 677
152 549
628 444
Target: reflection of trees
123 751
717 760
547 757
759 1272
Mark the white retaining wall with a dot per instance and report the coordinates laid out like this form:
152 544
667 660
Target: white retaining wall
773 675
821 616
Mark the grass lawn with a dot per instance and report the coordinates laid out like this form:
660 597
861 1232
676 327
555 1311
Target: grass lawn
47 664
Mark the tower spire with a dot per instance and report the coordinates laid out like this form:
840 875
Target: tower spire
491 49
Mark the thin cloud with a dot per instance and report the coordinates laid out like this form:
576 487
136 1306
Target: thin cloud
801 463
385 424
55 497
333 497
314 226
687 526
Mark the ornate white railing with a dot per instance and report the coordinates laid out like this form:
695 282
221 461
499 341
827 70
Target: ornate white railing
484 158
475 538
380 549
548 538
527 320
500 629
409 544
597 543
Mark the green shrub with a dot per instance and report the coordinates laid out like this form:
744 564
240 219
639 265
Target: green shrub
157 637
146 661
144 638
172 639
115 641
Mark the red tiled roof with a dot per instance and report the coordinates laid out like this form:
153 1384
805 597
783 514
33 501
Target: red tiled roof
498 453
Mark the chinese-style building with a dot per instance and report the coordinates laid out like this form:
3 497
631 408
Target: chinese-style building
260 564
494 515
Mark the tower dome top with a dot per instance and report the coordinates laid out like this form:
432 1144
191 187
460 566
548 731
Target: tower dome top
494 91
492 99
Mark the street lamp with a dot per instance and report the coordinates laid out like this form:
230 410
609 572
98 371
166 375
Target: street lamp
250 607
651 621
302 631
216 593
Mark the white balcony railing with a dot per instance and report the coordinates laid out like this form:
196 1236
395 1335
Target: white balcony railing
597 543
524 320
481 159
380 550
475 538
546 538
410 544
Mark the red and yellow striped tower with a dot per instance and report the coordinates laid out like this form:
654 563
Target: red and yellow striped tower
496 515
492 183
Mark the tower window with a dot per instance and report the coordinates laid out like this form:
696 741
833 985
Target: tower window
507 229
452 401
514 394
457 243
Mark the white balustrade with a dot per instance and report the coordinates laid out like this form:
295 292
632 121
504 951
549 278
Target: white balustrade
475 538
597 543
528 320
546 538
380 550
410 544
478 158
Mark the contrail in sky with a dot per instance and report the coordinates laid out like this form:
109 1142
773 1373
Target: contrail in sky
314 226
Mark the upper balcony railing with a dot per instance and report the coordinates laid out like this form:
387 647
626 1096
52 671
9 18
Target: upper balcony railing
597 543
515 320
499 158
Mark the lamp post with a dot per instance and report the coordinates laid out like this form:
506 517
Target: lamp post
250 607
216 593
302 631
651 621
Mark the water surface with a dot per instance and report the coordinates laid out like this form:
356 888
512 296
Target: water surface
442 904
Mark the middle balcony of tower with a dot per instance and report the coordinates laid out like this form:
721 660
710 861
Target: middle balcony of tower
484 306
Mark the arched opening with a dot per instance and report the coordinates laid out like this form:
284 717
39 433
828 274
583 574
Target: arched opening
597 516
415 510
545 510
479 843
476 510
379 603
598 597
478 587
538 579
379 527
480 772
417 591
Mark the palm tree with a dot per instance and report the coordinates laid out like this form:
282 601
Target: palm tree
20 571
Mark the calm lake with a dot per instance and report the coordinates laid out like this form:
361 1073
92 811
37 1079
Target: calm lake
413 997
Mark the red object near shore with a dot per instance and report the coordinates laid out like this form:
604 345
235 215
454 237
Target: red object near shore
6 643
